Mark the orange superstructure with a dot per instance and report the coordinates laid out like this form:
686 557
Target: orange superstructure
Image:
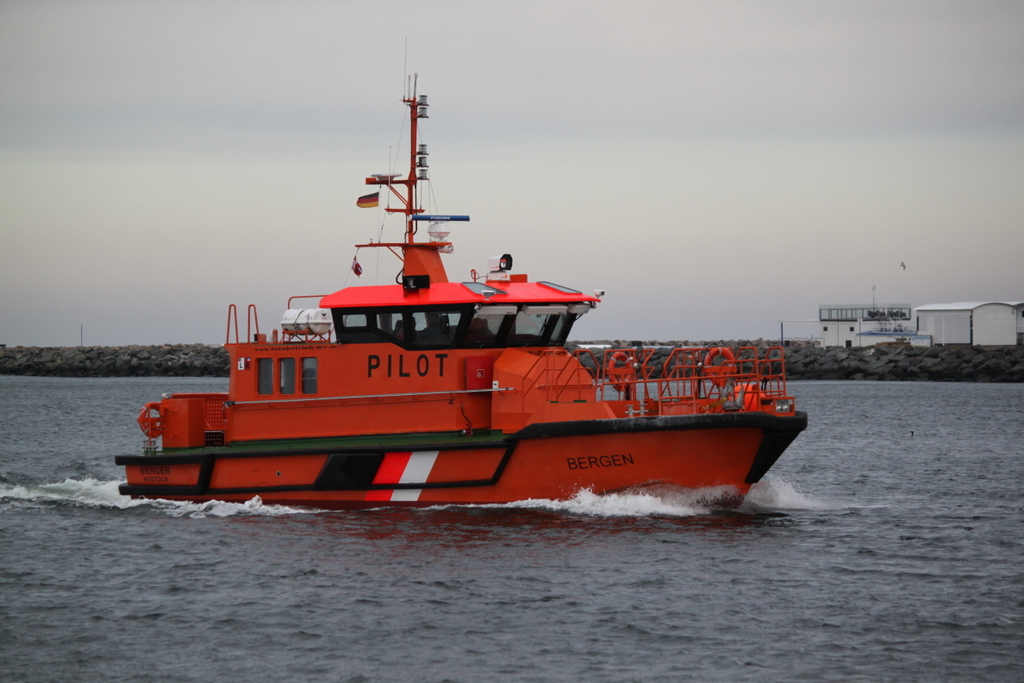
432 392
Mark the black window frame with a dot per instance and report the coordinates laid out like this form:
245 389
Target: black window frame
372 334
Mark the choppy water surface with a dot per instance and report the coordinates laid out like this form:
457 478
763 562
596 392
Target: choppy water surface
867 555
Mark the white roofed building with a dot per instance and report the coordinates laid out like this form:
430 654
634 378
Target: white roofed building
866 324
981 323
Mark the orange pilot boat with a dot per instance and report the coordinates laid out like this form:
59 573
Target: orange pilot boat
430 392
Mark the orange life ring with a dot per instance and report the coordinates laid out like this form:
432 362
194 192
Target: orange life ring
612 369
151 425
716 351
716 372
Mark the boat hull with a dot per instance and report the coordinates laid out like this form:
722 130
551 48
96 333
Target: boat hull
554 460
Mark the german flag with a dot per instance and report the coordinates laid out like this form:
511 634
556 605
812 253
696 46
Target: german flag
368 201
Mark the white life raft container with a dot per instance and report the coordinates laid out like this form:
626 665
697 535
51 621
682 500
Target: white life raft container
306 321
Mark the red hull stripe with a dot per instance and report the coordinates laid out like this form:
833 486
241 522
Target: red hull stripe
390 471
402 468
406 468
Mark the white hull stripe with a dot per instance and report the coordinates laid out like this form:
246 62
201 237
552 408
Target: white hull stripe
417 470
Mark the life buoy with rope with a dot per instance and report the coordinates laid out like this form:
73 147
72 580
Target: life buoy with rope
152 425
624 373
716 373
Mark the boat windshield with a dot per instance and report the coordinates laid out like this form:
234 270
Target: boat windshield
469 326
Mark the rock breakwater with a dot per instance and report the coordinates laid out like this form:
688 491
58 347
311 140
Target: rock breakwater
908 363
803 361
168 360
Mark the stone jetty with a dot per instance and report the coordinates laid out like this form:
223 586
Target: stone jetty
166 360
908 363
803 361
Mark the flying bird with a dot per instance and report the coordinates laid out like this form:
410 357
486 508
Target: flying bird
903 265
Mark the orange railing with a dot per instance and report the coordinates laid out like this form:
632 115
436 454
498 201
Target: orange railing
252 327
687 380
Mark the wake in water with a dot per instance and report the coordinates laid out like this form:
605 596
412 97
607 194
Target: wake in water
651 502
673 501
661 501
775 495
104 494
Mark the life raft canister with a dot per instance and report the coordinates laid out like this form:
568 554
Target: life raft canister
717 372
152 425
751 395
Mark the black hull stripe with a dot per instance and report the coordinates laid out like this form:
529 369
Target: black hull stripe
790 424
187 459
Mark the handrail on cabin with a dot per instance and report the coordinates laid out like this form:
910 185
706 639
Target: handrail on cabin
304 296
251 320
251 317
232 312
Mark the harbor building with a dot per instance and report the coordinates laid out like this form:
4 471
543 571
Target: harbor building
981 323
867 324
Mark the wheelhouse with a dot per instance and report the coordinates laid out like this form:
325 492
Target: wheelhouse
469 315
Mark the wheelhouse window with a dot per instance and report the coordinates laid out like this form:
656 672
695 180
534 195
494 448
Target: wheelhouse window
561 328
392 324
435 328
534 324
354 328
465 326
488 325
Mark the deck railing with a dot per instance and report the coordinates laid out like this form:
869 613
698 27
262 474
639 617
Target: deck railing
687 380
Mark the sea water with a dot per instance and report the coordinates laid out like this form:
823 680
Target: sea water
886 544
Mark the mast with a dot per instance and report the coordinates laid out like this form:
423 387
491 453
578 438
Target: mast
422 260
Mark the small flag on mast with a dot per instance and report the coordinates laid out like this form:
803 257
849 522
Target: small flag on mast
356 268
368 201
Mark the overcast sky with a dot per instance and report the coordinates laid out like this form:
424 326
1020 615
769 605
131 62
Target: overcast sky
715 166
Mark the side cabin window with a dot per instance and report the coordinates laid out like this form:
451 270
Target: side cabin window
286 375
309 375
287 378
468 326
265 376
